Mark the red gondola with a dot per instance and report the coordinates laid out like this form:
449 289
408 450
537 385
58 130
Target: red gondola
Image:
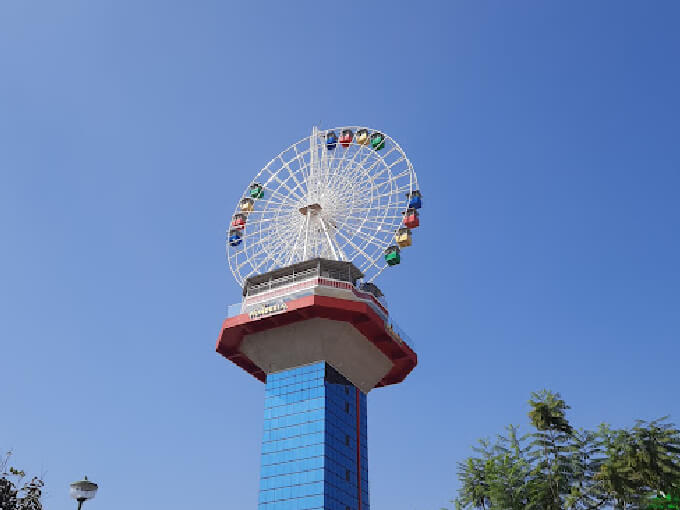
411 218
346 137
239 221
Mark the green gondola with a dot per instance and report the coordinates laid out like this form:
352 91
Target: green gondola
392 256
377 141
256 190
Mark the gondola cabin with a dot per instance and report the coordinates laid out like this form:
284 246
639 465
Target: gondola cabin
403 237
246 205
362 137
415 199
346 137
331 140
392 256
377 141
235 237
256 190
239 221
411 218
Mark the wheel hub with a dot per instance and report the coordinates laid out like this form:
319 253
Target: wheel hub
312 208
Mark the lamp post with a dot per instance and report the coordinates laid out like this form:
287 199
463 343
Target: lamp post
83 490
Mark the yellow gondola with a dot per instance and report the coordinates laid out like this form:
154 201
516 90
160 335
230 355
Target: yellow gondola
362 137
403 237
246 205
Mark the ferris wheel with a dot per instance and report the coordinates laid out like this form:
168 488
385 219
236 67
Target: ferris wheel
350 197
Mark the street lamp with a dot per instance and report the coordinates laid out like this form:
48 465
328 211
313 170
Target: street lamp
83 490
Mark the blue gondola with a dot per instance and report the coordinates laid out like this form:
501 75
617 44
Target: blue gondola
331 140
415 199
235 237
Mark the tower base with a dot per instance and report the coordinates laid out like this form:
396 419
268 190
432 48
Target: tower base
314 454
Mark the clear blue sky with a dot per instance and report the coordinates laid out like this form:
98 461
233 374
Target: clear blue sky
545 137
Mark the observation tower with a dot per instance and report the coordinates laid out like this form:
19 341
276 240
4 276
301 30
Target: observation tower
310 234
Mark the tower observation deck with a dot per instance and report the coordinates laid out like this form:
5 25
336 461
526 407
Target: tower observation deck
312 325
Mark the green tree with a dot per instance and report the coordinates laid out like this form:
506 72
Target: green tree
557 467
656 455
553 446
509 471
16 493
617 476
499 476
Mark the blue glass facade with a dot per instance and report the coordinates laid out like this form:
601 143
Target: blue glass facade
314 454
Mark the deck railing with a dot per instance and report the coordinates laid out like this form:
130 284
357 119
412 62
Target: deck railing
301 284
281 281
293 285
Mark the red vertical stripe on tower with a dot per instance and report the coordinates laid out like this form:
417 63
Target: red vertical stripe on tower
358 448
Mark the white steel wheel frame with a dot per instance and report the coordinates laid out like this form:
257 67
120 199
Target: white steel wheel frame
340 204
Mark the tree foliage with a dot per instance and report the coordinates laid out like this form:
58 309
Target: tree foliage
557 467
16 492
